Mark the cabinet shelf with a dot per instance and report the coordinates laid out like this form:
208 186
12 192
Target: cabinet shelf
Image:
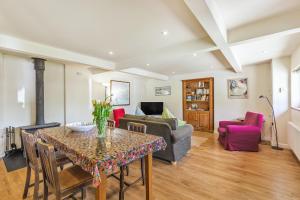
197 101
199 113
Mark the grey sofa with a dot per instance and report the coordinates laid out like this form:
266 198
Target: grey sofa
178 139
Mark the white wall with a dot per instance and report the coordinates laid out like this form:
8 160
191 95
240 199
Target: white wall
295 59
54 92
295 87
78 93
137 86
259 80
281 96
295 78
1 92
2 135
173 101
19 76
294 124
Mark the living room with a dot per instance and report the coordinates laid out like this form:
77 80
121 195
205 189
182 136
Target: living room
181 70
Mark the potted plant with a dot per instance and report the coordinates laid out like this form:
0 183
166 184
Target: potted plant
102 110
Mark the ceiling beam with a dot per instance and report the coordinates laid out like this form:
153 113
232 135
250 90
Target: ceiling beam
207 14
29 48
276 26
145 73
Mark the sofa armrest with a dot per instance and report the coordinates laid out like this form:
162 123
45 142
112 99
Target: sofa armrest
224 124
182 132
236 129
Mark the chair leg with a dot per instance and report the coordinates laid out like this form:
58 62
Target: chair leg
36 184
83 193
127 170
45 191
143 170
121 192
27 182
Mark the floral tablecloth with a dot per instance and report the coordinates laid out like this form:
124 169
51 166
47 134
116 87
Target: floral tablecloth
104 155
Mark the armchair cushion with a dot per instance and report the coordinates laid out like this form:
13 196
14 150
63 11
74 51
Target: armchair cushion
236 129
224 124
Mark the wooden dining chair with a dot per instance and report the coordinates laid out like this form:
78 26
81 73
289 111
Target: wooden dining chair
33 163
65 183
111 123
141 128
136 127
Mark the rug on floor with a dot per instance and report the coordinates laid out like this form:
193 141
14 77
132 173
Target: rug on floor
198 141
14 161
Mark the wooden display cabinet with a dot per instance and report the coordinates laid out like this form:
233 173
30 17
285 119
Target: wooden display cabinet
198 103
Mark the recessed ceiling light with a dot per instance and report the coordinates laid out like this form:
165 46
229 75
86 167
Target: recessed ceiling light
111 53
165 32
173 72
195 54
148 64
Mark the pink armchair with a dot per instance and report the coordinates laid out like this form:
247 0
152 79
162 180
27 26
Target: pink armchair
241 136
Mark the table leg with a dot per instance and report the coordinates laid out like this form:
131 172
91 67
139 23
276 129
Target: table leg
101 189
148 170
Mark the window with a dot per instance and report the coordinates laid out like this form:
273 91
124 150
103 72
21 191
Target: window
295 88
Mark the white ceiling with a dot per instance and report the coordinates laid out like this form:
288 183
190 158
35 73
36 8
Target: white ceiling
132 30
262 50
239 12
128 28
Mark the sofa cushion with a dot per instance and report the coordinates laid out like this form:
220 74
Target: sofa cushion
172 121
139 112
182 132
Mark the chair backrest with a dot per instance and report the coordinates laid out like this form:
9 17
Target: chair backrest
118 113
137 127
29 143
49 166
111 123
254 119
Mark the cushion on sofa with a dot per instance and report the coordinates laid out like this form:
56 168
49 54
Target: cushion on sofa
172 121
139 112
168 115
182 132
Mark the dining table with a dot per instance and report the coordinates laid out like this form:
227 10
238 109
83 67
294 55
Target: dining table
104 156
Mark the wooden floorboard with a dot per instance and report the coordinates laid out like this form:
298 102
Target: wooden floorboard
206 172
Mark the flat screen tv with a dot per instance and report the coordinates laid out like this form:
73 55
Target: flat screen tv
152 108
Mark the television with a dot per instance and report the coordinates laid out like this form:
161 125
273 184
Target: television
152 108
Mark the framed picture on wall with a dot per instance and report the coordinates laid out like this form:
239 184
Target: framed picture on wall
120 93
238 88
163 91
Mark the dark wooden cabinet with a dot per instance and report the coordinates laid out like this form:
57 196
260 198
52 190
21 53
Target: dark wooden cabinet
198 103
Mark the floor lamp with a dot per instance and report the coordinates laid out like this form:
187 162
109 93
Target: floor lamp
273 123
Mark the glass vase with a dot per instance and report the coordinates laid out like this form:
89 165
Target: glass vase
101 126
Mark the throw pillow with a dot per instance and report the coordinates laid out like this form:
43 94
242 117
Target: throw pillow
167 115
139 112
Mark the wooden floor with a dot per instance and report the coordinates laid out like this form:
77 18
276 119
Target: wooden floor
207 172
